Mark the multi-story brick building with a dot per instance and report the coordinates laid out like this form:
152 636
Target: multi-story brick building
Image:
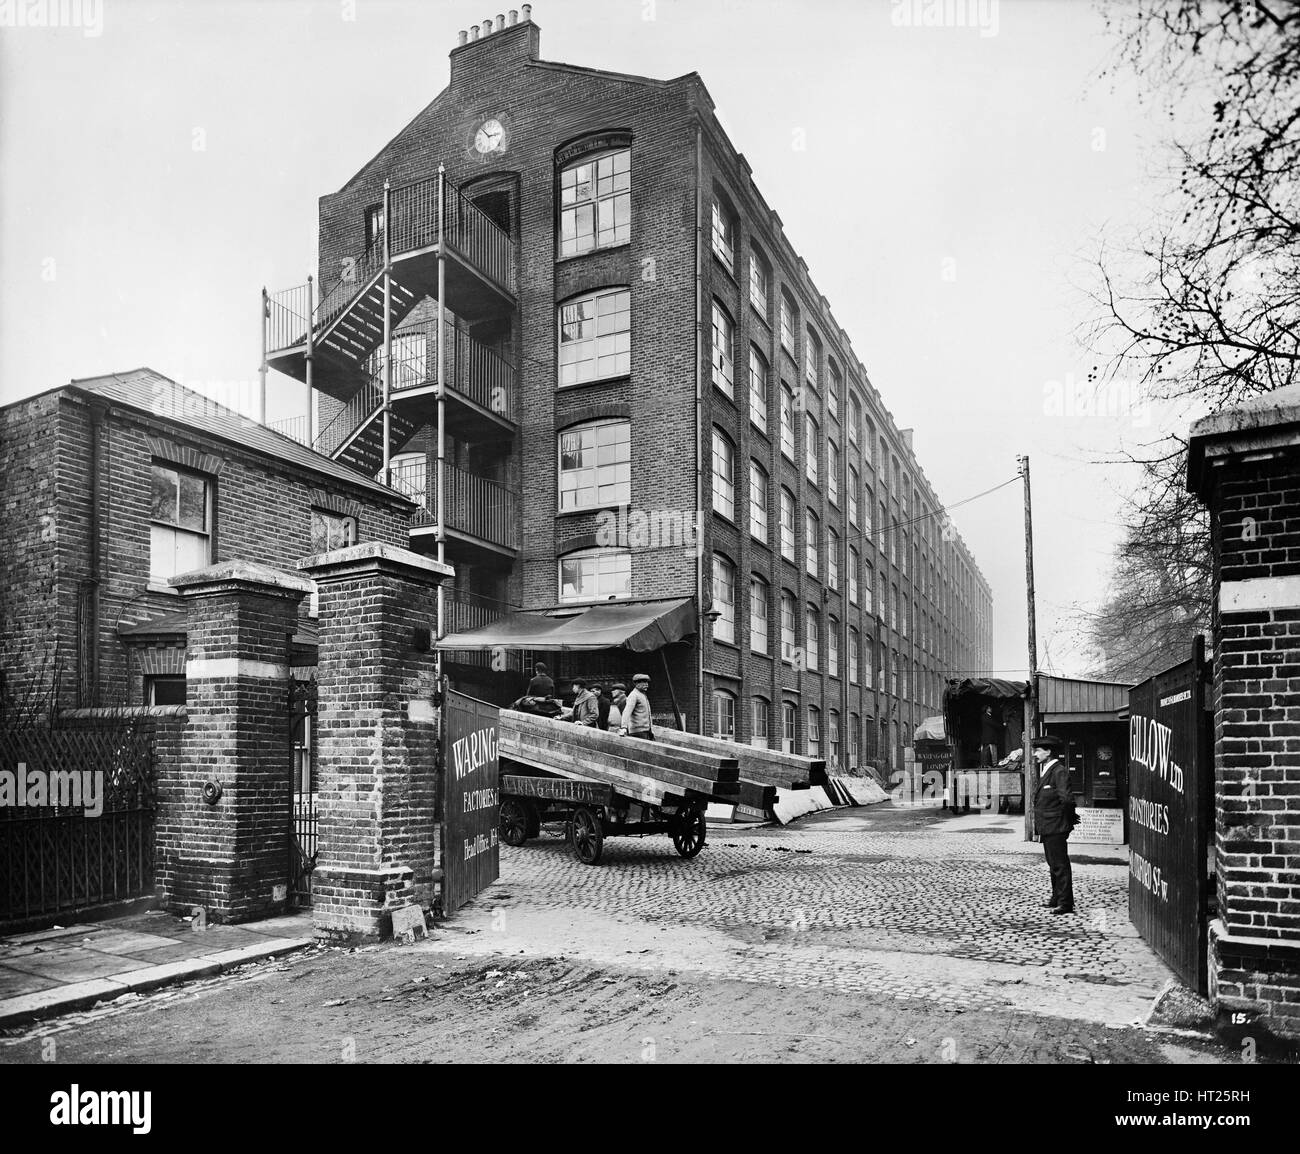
111 486
641 396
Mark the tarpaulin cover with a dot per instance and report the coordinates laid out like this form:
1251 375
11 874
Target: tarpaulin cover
641 626
931 729
985 687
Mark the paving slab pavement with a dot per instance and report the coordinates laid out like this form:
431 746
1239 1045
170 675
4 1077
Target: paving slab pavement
71 967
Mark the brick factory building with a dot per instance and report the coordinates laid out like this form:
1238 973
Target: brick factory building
628 338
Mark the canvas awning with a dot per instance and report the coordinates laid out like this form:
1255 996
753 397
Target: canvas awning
641 626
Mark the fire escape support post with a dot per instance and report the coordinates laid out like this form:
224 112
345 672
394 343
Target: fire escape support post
261 372
387 470
311 399
440 483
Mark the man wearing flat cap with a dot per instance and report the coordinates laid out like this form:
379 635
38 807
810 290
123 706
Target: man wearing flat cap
1054 817
636 713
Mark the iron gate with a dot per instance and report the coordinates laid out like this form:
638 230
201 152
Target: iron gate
302 814
76 818
1171 814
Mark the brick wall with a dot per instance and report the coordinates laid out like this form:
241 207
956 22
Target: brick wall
262 512
1255 942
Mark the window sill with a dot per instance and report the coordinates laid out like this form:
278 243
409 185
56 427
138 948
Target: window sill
760 653
156 587
592 510
599 250
621 379
725 645
763 314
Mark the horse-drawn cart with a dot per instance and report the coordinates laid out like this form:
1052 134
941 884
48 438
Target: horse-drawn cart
592 811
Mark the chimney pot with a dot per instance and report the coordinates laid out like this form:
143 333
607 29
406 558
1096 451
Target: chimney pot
473 32
527 10
501 21
464 37
487 27
514 16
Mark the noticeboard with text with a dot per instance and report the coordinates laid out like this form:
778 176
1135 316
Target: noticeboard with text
1170 815
470 799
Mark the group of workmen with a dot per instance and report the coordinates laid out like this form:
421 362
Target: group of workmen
613 709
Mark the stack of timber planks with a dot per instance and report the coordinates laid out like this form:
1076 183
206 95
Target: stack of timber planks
650 772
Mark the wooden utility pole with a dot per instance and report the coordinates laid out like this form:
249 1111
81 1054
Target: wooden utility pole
1031 704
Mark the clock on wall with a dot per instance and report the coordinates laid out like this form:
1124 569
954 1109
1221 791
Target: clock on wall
489 137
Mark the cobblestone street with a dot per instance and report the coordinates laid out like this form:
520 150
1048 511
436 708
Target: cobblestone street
909 903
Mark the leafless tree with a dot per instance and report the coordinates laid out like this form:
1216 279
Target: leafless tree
1202 309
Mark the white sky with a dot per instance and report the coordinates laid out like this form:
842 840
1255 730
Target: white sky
154 176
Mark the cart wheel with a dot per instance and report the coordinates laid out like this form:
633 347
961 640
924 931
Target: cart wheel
514 822
588 836
688 834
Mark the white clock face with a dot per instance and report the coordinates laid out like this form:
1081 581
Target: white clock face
489 136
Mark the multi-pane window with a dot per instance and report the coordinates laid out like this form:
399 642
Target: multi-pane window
855 417
812 640
881 660
758 499
833 737
760 283
832 559
868 585
759 721
833 472
869 440
893 539
814 731
757 389
758 615
811 437
596 337
789 725
596 465
867 502
596 575
835 383
853 495
724 598
812 528
333 530
867 657
374 228
724 237
724 360
854 657
904 610
787 323
881 529
833 648
893 669
789 616
596 203
787 421
881 599
812 360
853 576
724 715
892 607
855 724
787 524
180 537
724 475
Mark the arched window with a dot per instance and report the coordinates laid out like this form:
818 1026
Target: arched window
789 626
853 496
833 739
724 715
854 663
787 524
812 360
724 598
595 337
812 528
812 638
757 389
811 446
814 731
832 559
595 462
724 354
758 499
833 647
834 386
853 576
789 726
789 318
787 421
855 724
833 472
759 721
723 232
596 202
760 283
595 575
724 475
759 594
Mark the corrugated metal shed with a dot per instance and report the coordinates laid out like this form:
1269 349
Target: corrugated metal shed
1070 699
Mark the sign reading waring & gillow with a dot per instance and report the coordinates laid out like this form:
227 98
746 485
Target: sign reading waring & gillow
470 799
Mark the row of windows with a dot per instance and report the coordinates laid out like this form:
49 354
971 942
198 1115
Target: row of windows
820 741
181 515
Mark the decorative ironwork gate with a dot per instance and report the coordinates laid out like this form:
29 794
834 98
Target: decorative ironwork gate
302 814
1171 814
76 818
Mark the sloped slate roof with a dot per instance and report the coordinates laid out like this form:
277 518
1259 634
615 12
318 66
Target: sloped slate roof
150 392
